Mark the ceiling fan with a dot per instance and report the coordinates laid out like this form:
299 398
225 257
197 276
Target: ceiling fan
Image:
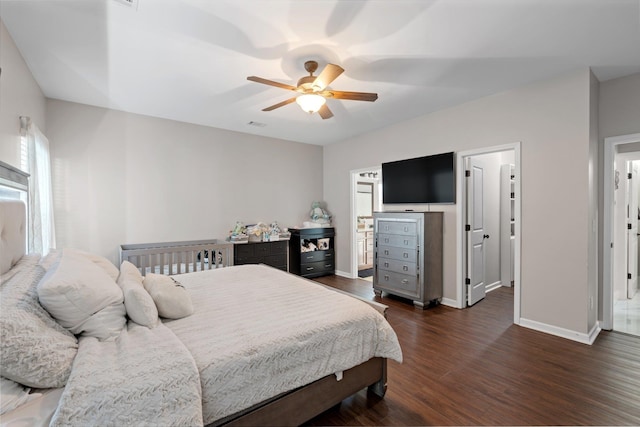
313 92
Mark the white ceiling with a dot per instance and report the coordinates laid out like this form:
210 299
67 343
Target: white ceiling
188 60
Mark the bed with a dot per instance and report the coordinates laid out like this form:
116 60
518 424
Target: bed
261 346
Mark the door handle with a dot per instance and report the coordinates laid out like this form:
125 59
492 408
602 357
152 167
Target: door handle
486 236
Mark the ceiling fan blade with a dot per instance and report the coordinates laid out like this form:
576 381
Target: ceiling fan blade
280 104
325 112
329 74
270 83
355 96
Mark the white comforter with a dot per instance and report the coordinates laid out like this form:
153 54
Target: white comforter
305 332
145 377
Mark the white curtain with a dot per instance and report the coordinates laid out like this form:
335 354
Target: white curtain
38 164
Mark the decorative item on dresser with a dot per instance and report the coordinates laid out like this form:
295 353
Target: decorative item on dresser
311 251
408 259
270 253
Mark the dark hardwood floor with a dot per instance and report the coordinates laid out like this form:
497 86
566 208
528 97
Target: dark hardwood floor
475 367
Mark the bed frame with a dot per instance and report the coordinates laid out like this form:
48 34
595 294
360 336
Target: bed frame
290 408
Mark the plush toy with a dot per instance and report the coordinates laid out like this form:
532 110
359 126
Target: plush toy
307 246
319 215
238 229
274 228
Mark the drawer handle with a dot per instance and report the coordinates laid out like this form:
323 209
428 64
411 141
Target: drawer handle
406 255
327 255
406 243
386 240
309 268
405 281
386 264
386 252
327 265
405 268
406 228
386 277
309 257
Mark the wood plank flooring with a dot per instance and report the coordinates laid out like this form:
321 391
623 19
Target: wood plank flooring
475 367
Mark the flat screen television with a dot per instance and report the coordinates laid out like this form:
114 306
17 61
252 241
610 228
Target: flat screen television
428 179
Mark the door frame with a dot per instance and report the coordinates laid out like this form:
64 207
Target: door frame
355 177
610 147
461 214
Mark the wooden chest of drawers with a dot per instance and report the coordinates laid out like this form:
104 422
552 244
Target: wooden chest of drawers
270 253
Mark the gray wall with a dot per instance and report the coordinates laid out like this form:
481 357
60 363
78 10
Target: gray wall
619 107
551 119
20 95
126 178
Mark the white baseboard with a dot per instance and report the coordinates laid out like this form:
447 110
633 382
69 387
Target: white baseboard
580 337
449 302
493 286
345 274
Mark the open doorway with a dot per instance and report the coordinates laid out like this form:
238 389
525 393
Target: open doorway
366 185
489 223
621 299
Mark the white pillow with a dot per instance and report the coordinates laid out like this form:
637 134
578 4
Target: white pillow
83 298
36 350
171 298
139 304
99 260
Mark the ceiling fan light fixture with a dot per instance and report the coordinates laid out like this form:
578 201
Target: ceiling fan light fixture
310 103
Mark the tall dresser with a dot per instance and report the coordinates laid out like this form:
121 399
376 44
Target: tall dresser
408 255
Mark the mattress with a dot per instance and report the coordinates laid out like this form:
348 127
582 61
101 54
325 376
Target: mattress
258 332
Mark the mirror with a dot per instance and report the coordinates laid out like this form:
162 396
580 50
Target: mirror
364 199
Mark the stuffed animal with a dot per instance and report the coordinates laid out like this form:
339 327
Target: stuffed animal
318 214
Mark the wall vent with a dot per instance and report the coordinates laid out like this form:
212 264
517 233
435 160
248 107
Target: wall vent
256 124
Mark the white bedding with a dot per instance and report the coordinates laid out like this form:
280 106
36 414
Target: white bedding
37 412
144 377
305 332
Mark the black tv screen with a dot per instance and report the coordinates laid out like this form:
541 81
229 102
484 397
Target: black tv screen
429 179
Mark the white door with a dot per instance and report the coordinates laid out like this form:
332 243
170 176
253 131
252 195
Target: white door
475 232
632 229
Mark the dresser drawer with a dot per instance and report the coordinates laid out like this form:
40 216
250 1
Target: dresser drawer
317 268
397 266
270 253
398 227
277 261
396 282
243 250
397 241
401 254
316 256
